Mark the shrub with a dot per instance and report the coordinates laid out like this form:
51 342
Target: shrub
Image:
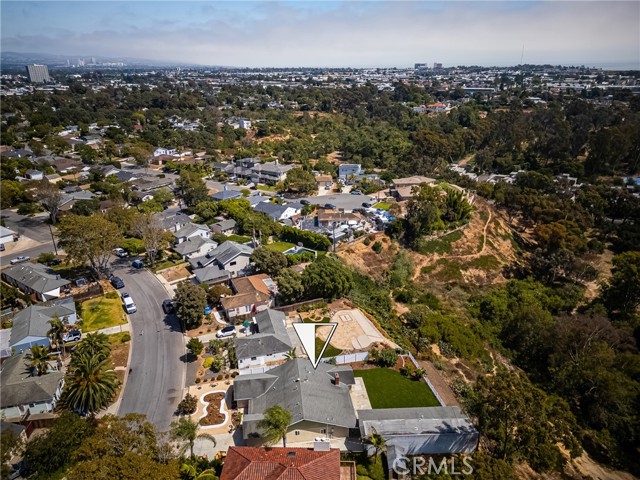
125 338
198 380
408 370
367 241
207 362
46 258
219 377
387 358
189 404
377 247
234 374
195 346
111 295
133 246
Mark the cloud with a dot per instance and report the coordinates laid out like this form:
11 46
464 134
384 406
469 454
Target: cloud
351 33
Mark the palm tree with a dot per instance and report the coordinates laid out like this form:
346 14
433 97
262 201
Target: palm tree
291 354
56 332
377 441
94 345
191 472
186 430
39 357
90 384
275 424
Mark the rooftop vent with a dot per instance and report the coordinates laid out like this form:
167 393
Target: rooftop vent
291 454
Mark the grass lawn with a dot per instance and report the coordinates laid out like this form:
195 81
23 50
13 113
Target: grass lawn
280 246
382 206
119 338
331 351
238 238
167 264
389 389
268 188
101 312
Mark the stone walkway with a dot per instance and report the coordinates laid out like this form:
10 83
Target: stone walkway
202 389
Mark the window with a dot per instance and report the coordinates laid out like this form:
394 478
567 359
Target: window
254 358
323 430
297 433
232 263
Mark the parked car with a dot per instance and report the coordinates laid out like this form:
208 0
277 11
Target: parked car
128 303
56 261
330 205
167 306
2 248
367 205
327 187
305 202
81 282
72 336
20 259
229 331
120 252
117 282
356 192
137 264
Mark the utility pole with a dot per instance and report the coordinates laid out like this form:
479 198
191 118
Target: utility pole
334 236
53 239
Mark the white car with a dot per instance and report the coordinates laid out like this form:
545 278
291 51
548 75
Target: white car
120 252
128 303
20 259
229 331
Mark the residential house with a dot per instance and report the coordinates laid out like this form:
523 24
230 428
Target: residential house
319 400
324 181
174 222
106 170
251 294
230 256
329 218
24 393
7 235
91 139
256 199
270 172
268 343
35 279
255 463
164 151
192 230
30 326
71 197
224 227
34 174
347 172
402 188
195 246
420 431
278 212
211 275
226 194
66 165
244 123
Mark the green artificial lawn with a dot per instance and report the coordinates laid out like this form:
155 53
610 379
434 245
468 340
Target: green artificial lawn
389 389
101 312
280 246
238 238
331 351
382 206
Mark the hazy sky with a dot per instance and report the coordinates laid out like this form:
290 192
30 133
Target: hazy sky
344 33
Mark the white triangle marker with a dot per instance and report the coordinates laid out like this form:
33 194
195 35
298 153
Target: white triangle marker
307 334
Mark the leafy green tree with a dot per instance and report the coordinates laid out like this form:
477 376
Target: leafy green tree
190 301
326 278
186 430
290 287
191 472
192 188
153 234
39 359
299 181
56 332
268 261
188 405
376 441
622 292
10 445
89 239
90 384
94 345
195 347
11 193
275 424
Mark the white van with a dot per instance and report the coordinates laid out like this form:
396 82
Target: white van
129 305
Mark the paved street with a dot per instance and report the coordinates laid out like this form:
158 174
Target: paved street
344 201
156 382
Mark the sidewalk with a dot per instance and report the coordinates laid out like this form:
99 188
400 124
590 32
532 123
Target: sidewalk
125 327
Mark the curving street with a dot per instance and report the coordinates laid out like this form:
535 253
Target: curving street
155 385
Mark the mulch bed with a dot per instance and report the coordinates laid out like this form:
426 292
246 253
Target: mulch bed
214 417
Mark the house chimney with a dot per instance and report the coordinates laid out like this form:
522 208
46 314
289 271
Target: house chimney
337 381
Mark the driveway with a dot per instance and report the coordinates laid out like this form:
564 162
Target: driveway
344 201
155 385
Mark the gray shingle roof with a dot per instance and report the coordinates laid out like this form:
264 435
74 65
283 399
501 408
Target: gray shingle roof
271 338
210 274
274 210
226 195
225 252
20 388
193 245
35 276
190 229
415 421
227 224
307 393
33 320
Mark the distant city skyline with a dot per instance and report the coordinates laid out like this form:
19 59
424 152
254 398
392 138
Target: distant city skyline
331 34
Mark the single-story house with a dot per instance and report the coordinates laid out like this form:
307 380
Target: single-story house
420 431
175 222
402 188
230 256
7 235
192 230
163 151
30 326
255 463
326 218
251 294
34 174
23 393
324 181
278 212
35 278
211 275
226 195
225 227
195 246
318 399
256 199
268 342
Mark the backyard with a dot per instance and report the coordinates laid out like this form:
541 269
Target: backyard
280 246
389 389
102 312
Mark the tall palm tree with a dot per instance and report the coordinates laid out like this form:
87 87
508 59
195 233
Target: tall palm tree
186 430
291 354
39 357
275 424
191 472
94 345
90 384
56 332
377 441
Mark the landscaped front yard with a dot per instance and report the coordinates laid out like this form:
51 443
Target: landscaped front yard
102 312
280 246
389 389
382 206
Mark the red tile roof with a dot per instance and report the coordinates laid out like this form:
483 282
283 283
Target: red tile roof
255 463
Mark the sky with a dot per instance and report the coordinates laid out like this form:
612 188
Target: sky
330 34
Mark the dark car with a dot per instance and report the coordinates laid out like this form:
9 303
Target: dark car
305 202
367 205
117 282
330 205
167 306
137 264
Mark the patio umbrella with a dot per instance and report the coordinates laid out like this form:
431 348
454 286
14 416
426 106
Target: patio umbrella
246 324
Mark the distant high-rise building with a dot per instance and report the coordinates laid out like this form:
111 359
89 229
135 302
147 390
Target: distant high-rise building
437 66
93 60
38 73
420 66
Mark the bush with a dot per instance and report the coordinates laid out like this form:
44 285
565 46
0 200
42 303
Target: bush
111 295
234 374
367 241
219 377
207 362
377 247
189 404
198 380
387 358
408 370
227 376
46 258
195 346
133 246
125 338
